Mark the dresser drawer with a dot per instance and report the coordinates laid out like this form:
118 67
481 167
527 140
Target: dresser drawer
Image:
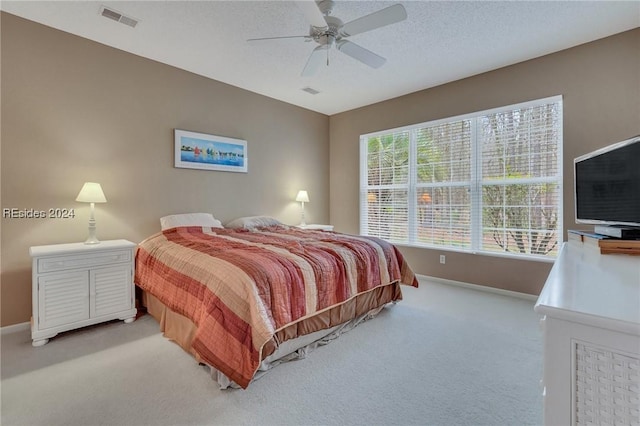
60 263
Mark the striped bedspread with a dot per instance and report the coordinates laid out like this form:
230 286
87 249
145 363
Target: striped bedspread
239 287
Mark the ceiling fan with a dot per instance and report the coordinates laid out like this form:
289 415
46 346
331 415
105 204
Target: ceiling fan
329 31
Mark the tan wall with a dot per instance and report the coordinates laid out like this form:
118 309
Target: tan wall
600 84
75 111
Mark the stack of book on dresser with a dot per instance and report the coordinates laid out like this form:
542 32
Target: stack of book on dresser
606 244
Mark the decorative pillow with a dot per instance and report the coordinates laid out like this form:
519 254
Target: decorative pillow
189 219
251 222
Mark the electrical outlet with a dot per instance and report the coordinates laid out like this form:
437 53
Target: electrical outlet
442 259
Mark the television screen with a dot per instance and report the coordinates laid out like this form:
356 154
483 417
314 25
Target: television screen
607 185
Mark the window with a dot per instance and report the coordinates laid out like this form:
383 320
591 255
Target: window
488 182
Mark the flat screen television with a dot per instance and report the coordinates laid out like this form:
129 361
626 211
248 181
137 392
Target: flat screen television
607 185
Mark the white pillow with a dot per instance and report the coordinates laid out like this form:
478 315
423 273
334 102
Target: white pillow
189 219
251 222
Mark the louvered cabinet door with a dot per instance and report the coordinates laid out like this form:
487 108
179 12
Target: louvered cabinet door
63 298
110 290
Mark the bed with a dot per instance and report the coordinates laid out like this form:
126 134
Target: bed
245 297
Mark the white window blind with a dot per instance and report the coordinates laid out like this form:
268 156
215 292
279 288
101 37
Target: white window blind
484 182
443 184
386 193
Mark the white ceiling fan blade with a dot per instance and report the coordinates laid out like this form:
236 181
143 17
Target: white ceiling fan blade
358 52
277 38
311 12
315 61
387 16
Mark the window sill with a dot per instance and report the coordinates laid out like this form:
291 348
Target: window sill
546 259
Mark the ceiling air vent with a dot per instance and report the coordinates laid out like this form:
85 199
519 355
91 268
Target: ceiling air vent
310 90
118 17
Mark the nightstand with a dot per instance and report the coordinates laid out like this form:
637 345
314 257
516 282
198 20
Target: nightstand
316 227
76 285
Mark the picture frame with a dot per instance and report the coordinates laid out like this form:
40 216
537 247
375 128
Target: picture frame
209 152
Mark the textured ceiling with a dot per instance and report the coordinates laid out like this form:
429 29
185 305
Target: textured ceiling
438 43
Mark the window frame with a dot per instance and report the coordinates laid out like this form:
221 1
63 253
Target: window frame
475 186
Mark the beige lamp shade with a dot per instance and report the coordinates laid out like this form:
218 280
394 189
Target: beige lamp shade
91 192
302 197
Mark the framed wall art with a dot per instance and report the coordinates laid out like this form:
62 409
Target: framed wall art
209 152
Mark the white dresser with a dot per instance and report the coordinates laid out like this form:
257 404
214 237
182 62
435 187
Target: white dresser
75 285
590 307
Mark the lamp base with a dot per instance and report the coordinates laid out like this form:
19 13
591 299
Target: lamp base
92 230
303 223
92 240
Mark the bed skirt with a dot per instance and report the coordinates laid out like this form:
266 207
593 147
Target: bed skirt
293 341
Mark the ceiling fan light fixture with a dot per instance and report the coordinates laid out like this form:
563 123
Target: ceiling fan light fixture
331 40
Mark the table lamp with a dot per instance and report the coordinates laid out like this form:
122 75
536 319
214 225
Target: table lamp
92 193
302 198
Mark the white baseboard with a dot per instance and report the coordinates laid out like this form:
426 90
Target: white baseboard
15 328
480 287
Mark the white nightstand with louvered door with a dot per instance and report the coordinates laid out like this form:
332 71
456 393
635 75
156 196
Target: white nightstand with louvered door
76 285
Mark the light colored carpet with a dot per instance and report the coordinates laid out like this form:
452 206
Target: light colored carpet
445 355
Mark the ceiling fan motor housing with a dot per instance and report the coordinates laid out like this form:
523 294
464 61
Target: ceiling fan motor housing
328 35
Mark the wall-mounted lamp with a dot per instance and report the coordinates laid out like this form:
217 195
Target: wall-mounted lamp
302 198
91 192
